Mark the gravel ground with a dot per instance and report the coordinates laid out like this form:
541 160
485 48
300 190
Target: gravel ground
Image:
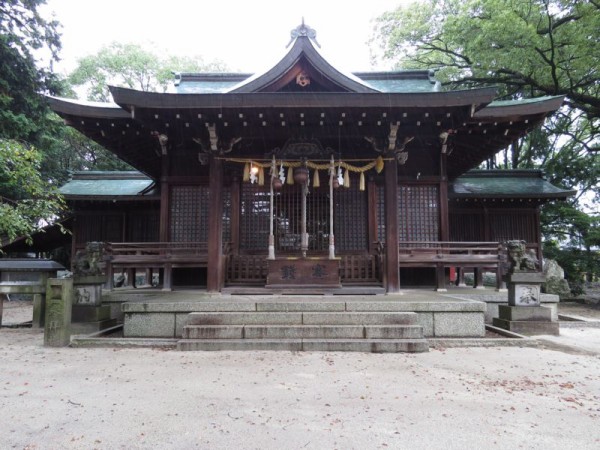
468 398
580 309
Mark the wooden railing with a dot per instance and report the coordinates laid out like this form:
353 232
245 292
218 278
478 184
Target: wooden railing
360 269
245 269
462 255
154 255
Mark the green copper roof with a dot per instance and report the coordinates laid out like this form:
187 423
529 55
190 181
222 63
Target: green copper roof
396 81
108 185
505 183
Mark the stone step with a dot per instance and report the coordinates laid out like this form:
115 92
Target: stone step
302 332
302 318
340 345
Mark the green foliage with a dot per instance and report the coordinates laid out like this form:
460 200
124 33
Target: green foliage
528 48
132 66
35 201
22 32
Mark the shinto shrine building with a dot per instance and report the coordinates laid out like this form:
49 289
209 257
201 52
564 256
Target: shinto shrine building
307 177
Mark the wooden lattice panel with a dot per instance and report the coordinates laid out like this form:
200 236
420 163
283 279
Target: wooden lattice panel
254 218
418 213
226 231
189 213
380 213
351 219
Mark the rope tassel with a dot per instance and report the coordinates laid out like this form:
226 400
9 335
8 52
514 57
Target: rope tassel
261 176
361 185
347 179
290 176
316 181
379 164
246 177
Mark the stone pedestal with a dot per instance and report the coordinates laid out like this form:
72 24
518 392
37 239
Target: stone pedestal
524 288
87 290
89 314
59 295
523 314
529 320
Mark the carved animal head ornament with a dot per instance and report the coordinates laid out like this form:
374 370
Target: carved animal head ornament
214 145
163 141
392 147
519 258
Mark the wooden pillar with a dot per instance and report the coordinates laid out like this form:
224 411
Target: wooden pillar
164 278
164 201
391 227
215 225
74 237
444 223
538 235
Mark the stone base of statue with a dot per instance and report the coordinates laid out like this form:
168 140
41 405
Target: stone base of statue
89 314
523 314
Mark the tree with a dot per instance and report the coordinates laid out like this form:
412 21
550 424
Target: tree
27 200
527 48
132 66
23 32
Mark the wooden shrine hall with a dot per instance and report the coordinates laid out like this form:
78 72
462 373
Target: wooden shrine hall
306 177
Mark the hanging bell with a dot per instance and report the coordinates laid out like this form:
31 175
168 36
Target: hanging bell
301 175
277 183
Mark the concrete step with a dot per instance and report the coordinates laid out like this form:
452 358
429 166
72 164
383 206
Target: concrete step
302 332
341 345
302 318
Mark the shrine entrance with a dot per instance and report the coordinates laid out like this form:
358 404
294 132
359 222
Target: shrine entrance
335 223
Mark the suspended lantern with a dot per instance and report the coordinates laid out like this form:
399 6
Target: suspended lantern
301 175
277 183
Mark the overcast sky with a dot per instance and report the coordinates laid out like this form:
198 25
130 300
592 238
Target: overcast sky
248 35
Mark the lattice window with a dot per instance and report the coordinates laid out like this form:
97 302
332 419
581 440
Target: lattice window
380 213
189 213
226 233
418 213
351 219
288 219
254 218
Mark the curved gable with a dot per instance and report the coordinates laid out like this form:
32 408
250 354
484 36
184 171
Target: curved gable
302 69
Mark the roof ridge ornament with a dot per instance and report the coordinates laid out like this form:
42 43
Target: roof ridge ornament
303 30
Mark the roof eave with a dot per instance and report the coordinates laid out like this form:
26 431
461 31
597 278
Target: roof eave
130 98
